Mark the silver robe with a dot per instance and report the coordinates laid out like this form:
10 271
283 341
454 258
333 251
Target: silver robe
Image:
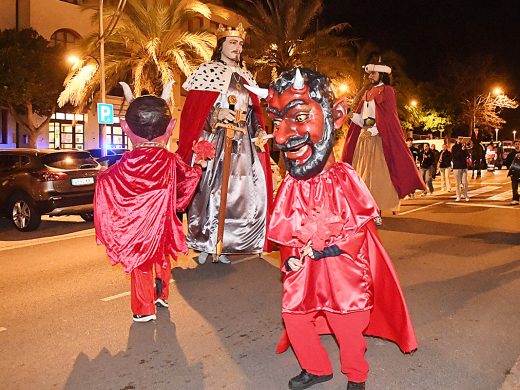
245 226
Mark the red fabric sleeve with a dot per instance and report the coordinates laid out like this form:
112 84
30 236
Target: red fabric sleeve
187 181
193 117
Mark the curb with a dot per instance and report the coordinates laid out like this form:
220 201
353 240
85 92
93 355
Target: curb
512 381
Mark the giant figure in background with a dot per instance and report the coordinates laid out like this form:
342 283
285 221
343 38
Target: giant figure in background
216 95
375 144
337 277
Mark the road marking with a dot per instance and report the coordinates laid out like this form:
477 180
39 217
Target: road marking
123 294
469 204
3 329
502 196
491 184
420 208
252 257
481 190
9 245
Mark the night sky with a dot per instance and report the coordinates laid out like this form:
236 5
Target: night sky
426 32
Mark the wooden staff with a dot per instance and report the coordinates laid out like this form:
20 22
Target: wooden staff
230 129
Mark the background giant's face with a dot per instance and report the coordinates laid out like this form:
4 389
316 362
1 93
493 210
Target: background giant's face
302 131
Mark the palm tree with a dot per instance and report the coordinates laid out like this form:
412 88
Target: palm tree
149 46
287 34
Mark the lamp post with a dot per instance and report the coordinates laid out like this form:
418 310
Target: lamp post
102 129
514 135
496 131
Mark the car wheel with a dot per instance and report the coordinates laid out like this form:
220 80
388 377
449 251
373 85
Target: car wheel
88 217
24 214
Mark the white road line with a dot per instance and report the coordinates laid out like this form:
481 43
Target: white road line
3 329
470 204
420 208
502 196
491 184
9 245
252 257
124 294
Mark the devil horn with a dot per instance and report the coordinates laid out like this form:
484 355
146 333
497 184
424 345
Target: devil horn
260 92
298 82
167 91
129 96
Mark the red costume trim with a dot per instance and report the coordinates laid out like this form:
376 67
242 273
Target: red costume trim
403 172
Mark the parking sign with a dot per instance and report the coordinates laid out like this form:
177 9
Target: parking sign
105 112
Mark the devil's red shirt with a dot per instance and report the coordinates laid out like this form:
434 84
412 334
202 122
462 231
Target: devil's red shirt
361 278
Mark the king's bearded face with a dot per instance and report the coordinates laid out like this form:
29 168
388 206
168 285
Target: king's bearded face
303 131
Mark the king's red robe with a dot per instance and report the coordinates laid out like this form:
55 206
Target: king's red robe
403 172
360 278
135 206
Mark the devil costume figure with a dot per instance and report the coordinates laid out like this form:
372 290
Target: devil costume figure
210 89
347 285
375 144
136 200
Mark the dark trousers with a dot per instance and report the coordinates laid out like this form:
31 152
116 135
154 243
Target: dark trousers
514 186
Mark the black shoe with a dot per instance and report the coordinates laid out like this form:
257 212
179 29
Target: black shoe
159 302
356 386
306 380
144 317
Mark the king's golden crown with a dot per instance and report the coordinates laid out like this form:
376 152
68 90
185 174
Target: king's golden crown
238 32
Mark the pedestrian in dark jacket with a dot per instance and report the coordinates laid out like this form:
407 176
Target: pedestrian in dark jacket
445 168
514 171
427 160
459 156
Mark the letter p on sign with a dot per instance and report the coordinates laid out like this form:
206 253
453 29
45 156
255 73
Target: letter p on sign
105 113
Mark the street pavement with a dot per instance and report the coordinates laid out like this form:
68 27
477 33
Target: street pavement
65 320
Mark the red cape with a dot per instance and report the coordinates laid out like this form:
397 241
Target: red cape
135 206
193 118
403 172
342 190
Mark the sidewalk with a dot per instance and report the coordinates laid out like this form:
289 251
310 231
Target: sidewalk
512 381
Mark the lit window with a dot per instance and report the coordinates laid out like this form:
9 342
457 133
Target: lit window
66 38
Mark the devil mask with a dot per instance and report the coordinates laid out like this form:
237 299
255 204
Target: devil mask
148 117
301 105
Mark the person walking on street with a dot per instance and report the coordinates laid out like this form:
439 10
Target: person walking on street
337 276
445 167
459 155
375 145
436 155
240 175
427 160
514 171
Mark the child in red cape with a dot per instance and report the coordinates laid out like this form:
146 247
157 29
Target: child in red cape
136 201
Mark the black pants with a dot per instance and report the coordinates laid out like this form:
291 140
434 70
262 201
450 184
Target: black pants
514 186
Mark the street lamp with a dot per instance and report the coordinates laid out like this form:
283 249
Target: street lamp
497 91
496 131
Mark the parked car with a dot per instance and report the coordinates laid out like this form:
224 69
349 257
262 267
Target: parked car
34 182
112 156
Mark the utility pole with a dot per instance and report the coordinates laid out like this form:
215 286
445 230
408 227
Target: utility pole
102 128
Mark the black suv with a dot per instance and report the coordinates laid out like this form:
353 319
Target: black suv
43 181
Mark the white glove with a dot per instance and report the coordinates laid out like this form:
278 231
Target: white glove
373 131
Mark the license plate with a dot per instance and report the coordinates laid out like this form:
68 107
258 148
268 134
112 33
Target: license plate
83 181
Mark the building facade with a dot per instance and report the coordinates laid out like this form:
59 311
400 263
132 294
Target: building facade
64 22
